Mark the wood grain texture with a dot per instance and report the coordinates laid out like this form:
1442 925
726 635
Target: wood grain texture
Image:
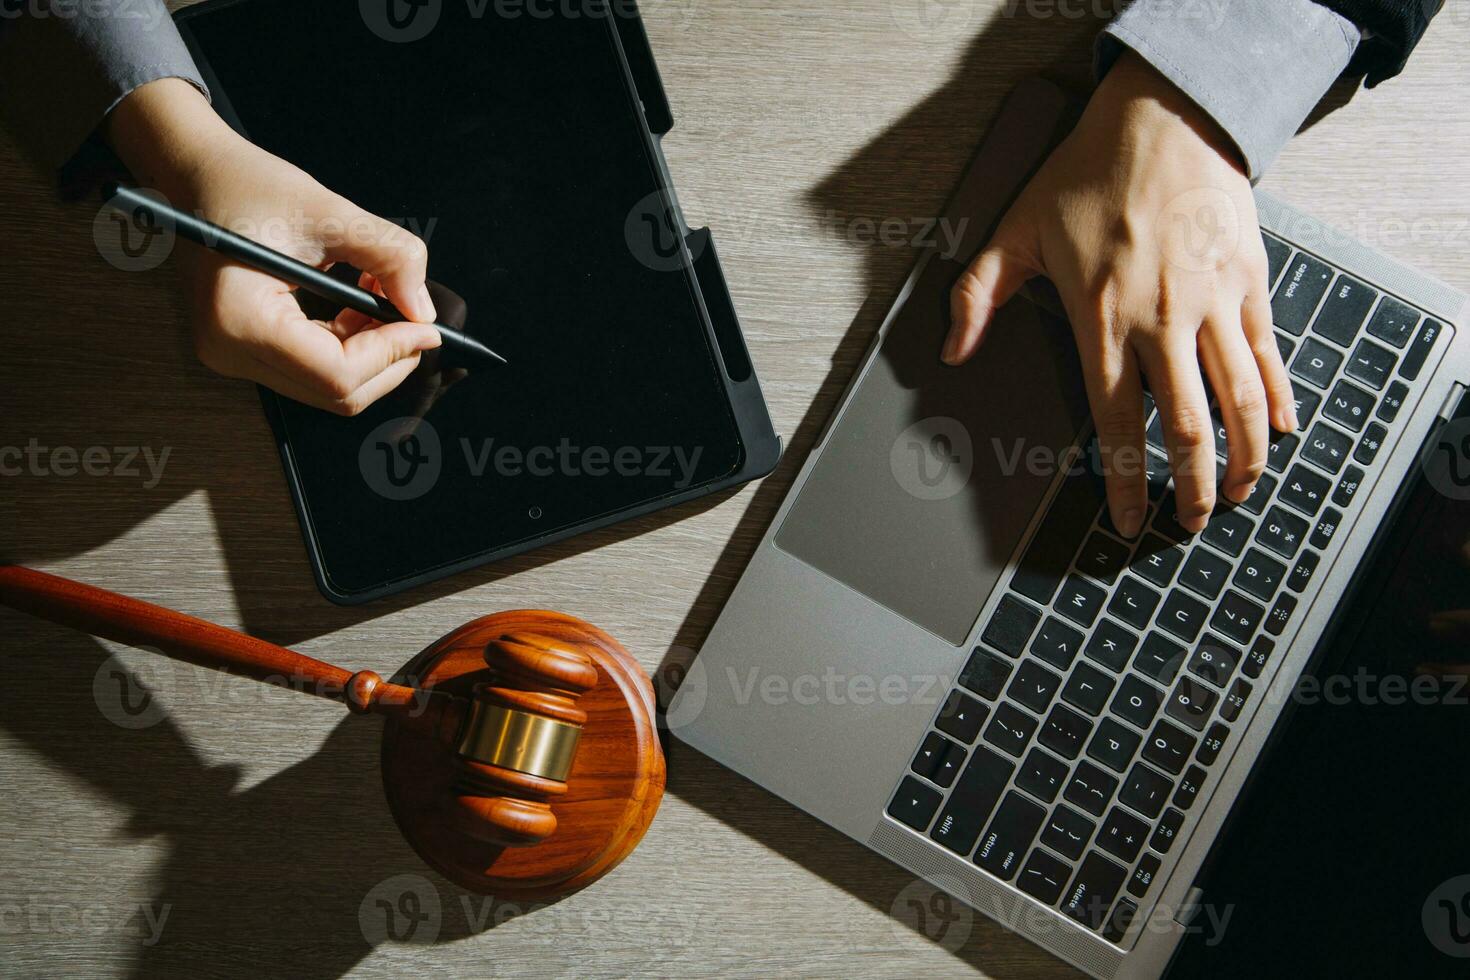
797 124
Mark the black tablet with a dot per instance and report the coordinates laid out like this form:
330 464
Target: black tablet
520 140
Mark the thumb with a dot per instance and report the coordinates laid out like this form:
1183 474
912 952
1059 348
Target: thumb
987 285
397 258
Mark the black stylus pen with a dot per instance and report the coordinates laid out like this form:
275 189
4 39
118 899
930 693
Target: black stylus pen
461 349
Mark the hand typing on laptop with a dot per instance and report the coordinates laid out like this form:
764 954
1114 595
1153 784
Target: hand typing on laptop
1144 221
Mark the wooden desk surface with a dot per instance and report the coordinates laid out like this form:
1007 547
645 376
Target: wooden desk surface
242 830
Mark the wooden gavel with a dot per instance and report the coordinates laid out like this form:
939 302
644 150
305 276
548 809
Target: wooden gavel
479 755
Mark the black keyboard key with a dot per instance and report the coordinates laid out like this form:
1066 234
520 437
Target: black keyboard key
1009 836
1057 643
1342 315
1305 489
939 760
1419 352
1137 701
1067 832
1394 322
1393 401
1301 288
1277 253
1143 875
1065 732
1182 615
1120 920
1189 787
1307 401
1154 434
1282 447
1166 831
1326 528
1044 877
1111 645
1159 658
962 717
1258 656
1166 521
1349 406
1302 572
1316 363
914 804
1050 552
1080 601
1260 494
1090 896
1214 742
1214 660
1122 835
1156 467
1228 530
1284 346
1091 788
1348 486
1113 745
1205 572
1134 602
1370 444
1103 557
971 800
1282 532
1088 689
1010 730
1234 703
1260 575
1169 747
1191 704
1237 617
1011 625
985 674
1280 615
1146 790
1327 447
1042 775
1157 560
1371 364
1034 686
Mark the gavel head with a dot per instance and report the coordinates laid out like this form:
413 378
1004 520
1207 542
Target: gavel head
518 739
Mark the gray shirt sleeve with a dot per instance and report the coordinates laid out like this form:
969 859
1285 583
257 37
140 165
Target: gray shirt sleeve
64 64
1257 67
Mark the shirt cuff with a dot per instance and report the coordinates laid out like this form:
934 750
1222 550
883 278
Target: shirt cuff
64 66
1257 68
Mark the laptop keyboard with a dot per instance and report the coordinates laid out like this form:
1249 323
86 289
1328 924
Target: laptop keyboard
1112 675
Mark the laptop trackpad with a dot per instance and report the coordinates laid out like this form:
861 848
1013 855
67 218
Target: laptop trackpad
933 473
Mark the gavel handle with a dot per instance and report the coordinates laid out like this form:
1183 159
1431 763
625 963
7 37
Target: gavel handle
136 623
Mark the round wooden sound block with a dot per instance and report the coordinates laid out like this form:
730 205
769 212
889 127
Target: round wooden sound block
613 790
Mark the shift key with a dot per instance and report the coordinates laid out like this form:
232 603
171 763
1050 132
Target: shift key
971 800
1009 837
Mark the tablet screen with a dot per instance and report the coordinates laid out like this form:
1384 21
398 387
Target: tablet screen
508 139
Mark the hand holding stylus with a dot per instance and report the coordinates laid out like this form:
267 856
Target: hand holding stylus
248 324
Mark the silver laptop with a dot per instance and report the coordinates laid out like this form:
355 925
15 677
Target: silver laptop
942 649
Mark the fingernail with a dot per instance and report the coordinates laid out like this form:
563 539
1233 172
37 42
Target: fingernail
1240 492
432 338
951 353
1131 523
427 313
1293 421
